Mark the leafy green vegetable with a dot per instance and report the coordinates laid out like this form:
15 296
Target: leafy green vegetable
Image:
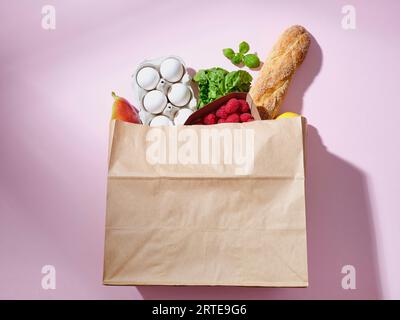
211 84
229 53
238 81
217 82
244 47
201 78
251 61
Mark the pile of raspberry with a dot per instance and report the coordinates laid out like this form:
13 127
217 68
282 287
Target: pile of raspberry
235 110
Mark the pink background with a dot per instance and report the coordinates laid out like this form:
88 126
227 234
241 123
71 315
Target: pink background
56 102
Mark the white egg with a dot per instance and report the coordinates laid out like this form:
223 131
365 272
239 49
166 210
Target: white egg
147 78
171 69
182 115
154 101
160 121
179 94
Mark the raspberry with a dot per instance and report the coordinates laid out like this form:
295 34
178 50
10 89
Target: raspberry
210 119
221 113
245 117
221 120
233 118
244 106
232 106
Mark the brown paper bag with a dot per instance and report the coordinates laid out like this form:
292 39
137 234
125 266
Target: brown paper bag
177 217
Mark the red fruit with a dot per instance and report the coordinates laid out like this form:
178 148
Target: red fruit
233 118
123 110
244 106
245 117
221 121
210 119
232 106
221 113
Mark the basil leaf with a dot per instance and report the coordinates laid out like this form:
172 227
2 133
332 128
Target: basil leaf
251 61
244 47
229 53
237 59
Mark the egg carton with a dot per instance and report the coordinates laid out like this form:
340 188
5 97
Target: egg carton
163 91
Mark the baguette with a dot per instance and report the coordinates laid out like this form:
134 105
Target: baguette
273 81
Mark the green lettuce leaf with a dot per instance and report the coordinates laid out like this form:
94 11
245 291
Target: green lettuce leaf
216 82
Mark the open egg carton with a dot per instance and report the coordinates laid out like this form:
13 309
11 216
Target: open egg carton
163 91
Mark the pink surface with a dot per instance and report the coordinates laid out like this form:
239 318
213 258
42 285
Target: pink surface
55 93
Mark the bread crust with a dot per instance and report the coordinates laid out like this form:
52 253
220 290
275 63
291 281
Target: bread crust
274 78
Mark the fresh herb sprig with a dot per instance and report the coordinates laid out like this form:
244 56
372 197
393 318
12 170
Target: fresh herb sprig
250 60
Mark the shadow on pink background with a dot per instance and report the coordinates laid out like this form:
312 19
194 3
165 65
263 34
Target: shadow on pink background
339 226
339 229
